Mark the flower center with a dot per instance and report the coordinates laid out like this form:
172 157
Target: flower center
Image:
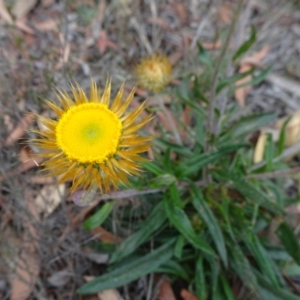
88 133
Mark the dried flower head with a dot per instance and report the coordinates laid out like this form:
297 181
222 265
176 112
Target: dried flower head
93 142
154 72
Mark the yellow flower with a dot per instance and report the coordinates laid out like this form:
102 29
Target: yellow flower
154 72
92 142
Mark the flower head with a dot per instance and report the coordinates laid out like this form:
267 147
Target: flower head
93 142
154 72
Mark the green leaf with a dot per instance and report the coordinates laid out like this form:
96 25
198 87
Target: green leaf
179 246
233 79
289 240
281 142
212 224
250 192
261 257
174 147
241 266
173 268
226 288
130 271
284 294
269 153
204 57
174 196
197 162
256 79
153 168
246 45
181 222
147 228
99 217
214 275
247 125
200 283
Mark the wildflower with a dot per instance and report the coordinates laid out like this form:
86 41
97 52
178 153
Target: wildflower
154 72
93 142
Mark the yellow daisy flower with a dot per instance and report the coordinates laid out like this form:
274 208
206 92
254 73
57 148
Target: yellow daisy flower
93 142
154 72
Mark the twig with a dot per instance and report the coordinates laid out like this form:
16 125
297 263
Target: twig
169 117
140 30
201 26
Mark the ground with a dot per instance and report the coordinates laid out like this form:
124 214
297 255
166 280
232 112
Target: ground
47 44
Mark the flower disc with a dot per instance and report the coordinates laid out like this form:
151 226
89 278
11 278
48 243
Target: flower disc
89 133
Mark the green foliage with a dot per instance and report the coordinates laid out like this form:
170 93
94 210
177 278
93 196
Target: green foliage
207 222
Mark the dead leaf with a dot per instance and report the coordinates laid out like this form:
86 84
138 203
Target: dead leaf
186 295
165 291
256 58
28 265
181 11
246 64
21 8
259 150
160 22
49 198
4 13
110 294
106 236
212 46
47 3
242 92
60 278
225 13
19 130
104 42
49 25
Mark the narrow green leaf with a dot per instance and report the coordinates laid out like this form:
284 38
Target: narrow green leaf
174 196
241 266
289 240
99 217
130 271
208 217
179 246
174 147
204 57
197 162
226 288
182 223
174 268
214 276
247 125
233 79
256 79
147 228
281 142
246 45
200 283
250 192
269 153
153 168
284 294
261 257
